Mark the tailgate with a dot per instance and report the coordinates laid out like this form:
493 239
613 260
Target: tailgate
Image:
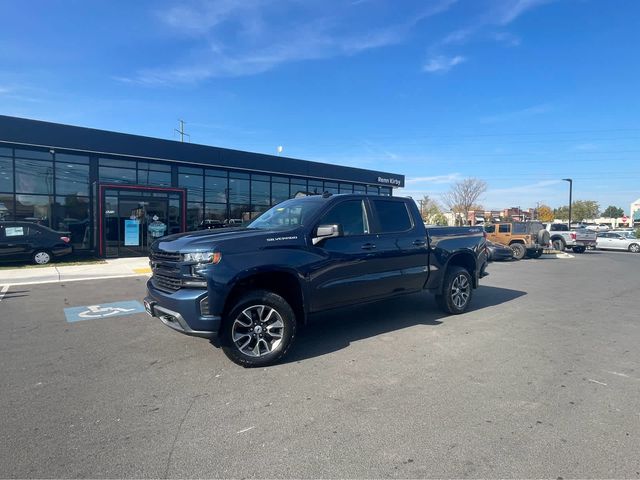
585 236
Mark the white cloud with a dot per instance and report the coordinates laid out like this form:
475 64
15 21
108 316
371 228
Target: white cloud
442 63
517 114
508 11
237 38
433 180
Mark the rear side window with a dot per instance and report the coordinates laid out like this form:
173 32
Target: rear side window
489 228
520 228
504 228
393 216
351 215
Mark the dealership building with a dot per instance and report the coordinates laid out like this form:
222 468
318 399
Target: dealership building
114 192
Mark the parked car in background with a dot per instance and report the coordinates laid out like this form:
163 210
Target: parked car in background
25 241
524 238
578 239
498 252
617 241
602 227
625 233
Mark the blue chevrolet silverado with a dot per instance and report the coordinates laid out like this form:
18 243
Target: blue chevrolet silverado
251 288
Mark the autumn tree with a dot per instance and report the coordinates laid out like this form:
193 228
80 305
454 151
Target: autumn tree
431 212
613 212
580 210
463 195
545 214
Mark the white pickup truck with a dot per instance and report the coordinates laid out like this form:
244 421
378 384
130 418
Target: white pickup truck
577 239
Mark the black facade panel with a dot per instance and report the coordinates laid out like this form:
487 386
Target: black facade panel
54 135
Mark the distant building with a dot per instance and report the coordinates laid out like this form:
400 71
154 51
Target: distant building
635 213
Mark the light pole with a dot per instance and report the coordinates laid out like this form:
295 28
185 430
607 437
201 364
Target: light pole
570 195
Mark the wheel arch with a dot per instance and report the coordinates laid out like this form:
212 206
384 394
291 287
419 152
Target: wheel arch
466 260
282 282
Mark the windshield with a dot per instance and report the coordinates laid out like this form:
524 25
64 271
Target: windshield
288 214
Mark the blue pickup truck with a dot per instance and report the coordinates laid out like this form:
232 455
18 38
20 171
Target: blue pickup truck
251 288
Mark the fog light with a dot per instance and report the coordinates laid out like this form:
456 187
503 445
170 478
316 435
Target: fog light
204 306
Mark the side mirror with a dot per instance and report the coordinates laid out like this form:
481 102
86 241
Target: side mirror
327 231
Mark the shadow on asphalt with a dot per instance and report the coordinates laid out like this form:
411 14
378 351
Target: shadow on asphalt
15 294
332 331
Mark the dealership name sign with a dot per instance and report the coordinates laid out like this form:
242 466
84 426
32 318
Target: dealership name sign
389 181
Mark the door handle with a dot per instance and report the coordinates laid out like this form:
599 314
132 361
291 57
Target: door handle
419 243
368 246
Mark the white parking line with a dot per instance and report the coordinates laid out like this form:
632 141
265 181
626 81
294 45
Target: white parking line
3 291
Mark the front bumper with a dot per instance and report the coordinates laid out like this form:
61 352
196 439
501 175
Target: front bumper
180 311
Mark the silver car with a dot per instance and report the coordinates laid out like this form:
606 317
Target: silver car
618 241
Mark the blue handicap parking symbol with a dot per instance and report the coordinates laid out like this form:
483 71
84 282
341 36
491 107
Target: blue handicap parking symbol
104 310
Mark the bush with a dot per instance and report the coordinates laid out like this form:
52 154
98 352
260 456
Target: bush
637 232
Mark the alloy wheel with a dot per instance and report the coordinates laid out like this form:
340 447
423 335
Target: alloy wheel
257 331
460 290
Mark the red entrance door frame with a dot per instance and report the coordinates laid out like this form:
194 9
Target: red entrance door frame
116 186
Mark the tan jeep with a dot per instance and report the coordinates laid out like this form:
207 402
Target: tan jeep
524 238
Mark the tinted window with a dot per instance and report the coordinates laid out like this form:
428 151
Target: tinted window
520 228
6 175
351 215
393 216
504 228
559 227
33 176
490 228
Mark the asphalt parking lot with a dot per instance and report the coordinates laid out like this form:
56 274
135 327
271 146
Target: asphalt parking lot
540 379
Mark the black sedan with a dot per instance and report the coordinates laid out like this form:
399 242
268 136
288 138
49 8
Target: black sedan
25 241
498 252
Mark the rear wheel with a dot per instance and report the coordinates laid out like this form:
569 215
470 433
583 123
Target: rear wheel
634 248
535 253
41 257
259 329
518 250
558 244
456 291
579 249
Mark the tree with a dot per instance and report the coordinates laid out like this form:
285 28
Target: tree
545 214
580 210
613 212
462 196
431 212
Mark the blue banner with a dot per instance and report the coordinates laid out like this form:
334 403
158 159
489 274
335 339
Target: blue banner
132 233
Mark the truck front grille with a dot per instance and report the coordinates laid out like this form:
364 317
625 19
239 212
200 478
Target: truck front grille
165 256
166 283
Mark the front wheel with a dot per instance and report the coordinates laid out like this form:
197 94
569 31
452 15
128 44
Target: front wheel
456 292
259 329
634 248
41 257
518 250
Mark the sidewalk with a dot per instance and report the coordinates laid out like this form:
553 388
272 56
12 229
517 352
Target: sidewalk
113 268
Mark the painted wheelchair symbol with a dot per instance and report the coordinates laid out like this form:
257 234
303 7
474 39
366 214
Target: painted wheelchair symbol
97 311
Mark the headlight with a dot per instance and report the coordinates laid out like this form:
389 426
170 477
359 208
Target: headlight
202 257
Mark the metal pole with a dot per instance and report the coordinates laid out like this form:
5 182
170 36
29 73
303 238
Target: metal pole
570 197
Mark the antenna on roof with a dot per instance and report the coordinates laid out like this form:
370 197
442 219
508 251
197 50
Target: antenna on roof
181 131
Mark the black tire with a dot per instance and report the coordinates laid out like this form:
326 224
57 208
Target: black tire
579 249
270 349
518 250
559 244
535 253
41 257
457 280
634 248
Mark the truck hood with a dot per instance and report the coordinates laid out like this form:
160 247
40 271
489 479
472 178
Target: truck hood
231 238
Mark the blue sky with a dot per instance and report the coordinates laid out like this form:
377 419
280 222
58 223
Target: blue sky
520 93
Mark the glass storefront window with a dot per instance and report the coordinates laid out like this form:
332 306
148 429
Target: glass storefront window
158 167
238 191
386 191
239 213
346 188
6 152
257 210
193 183
71 214
6 174
117 175
154 178
279 192
238 175
373 190
6 207
174 220
190 170
72 178
194 216
112 162
215 211
34 208
214 172
298 186
215 189
34 154
70 158
359 189
34 176
331 187
315 186
260 193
